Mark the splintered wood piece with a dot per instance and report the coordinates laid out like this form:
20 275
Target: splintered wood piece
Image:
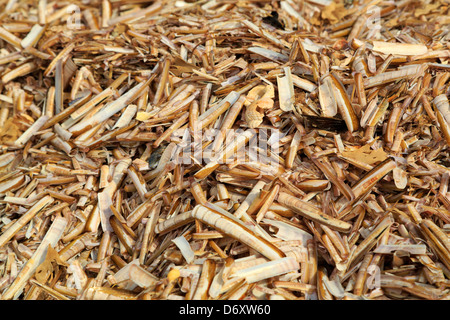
311 212
286 90
24 219
51 238
402 49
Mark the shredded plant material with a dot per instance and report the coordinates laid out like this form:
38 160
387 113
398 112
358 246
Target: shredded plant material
224 150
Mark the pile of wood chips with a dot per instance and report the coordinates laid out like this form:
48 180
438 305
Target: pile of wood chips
126 171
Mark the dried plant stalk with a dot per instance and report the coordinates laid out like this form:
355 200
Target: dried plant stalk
224 222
